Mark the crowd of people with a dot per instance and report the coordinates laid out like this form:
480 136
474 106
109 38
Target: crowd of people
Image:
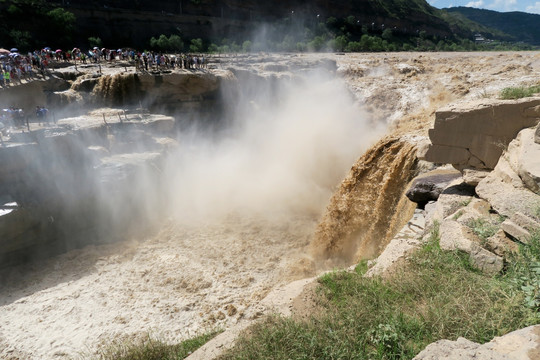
146 60
17 67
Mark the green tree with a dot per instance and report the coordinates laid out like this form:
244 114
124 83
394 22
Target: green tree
60 26
354 46
287 44
235 47
387 34
196 45
332 23
176 43
95 42
366 42
350 20
317 43
20 38
13 10
163 43
246 46
341 43
365 29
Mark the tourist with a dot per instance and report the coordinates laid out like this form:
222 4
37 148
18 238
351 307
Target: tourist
7 77
41 114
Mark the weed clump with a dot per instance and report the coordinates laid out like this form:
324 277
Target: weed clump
153 349
519 92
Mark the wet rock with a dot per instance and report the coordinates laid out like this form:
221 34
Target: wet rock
429 186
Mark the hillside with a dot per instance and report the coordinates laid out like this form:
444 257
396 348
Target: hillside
519 26
132 23
317 25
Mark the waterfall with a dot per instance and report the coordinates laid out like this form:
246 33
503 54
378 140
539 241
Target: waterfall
369 206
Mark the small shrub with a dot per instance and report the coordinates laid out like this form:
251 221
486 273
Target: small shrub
519 92
525 271
482 228
458 215
152 349
537 212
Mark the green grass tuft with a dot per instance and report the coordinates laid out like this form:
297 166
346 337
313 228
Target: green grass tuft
483 228
152 349
519 92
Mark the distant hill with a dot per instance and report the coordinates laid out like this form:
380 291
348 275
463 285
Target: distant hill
133 19
517 26
404 24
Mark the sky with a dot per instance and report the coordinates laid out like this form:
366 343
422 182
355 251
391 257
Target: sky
529 6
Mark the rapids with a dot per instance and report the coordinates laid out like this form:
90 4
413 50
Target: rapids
246 202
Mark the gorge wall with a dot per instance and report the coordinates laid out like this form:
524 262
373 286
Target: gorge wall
128 21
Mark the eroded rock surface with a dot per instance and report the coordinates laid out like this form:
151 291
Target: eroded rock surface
522 344
474 135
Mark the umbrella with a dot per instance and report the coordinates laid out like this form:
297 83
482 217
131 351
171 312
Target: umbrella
14 50
96 48
58 50
47 48
2 56
4 51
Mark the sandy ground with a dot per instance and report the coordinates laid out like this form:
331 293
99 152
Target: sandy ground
186 279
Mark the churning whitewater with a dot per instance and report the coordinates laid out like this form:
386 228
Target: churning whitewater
243 203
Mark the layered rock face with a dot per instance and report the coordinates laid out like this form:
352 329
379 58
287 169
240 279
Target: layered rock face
495 142
474 135
490 215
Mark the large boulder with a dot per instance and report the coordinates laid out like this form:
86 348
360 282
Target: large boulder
427 187
508 187
473 135
455 236
523 155
521 344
